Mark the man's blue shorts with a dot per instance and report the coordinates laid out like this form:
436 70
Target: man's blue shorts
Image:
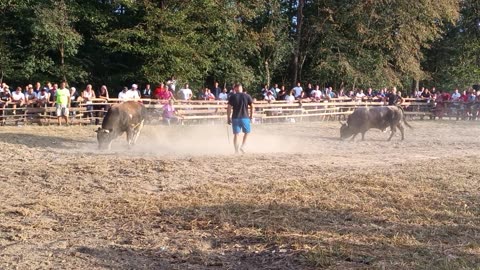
241 124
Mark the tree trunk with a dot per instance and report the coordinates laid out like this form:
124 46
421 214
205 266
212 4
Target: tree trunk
415 86
296 53
267 72
62 61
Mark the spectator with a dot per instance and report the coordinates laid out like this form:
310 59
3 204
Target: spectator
394 98
265 90
297 90
172 84
426 93
74 97
103 93
282 94
158 90
316 93
446 96
223 95
418 92
269 97
43 97
369 93
5 97
360 95
147 92
102 109
216 90
123 94
308 90
62 102
37 88
30 96
382 94
341 93
18 99
87 96
329 93
169 112
51 95
464 96
275 90
186 93
207 95
48 87
456 95
162 93
304 97
290 98
133 93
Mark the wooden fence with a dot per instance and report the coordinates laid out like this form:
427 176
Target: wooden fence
191 112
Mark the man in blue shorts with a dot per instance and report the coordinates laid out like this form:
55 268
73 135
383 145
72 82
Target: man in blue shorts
241 117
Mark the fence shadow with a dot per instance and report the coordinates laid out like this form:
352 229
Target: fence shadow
34 141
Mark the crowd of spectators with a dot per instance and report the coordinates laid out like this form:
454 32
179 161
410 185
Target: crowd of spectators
43 96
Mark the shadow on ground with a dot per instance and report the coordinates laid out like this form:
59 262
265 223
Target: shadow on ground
33 141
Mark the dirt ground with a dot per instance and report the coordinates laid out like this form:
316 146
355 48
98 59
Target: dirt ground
298 199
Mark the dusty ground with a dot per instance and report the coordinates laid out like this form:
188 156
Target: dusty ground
300 199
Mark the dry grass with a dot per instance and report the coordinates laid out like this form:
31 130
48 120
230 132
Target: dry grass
141 211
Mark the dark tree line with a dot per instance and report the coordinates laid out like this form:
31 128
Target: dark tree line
342 43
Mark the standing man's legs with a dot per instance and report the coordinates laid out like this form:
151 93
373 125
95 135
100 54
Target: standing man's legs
236 127
66 112
59 114
235 142
240 125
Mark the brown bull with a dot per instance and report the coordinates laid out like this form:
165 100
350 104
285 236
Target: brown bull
365 118
126 117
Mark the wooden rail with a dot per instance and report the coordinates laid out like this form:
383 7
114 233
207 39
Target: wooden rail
215 111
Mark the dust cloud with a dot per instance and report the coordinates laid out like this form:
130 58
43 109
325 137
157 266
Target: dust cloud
206 140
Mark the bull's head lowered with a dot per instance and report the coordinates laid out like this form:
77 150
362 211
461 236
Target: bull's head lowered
345 130
104 138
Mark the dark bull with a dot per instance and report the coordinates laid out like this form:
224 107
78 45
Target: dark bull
126 117
364 118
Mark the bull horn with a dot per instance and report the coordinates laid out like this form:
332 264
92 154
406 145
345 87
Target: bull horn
107 131
97 130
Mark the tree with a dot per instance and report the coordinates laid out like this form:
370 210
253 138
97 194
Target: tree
374 42
56 39
454 60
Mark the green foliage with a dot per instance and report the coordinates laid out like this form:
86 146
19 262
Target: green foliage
454 60
342 43
375 42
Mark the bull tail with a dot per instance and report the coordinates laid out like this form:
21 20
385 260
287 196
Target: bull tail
404 118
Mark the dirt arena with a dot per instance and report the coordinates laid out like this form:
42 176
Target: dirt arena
299 199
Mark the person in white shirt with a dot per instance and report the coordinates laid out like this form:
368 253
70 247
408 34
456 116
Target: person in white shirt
123 94
133 93
316 93
360 95
43 97
186 93
269 97
223 95
18 98
172 84
290 98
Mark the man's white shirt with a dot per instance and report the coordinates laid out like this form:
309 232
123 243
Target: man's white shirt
132 94
18 96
